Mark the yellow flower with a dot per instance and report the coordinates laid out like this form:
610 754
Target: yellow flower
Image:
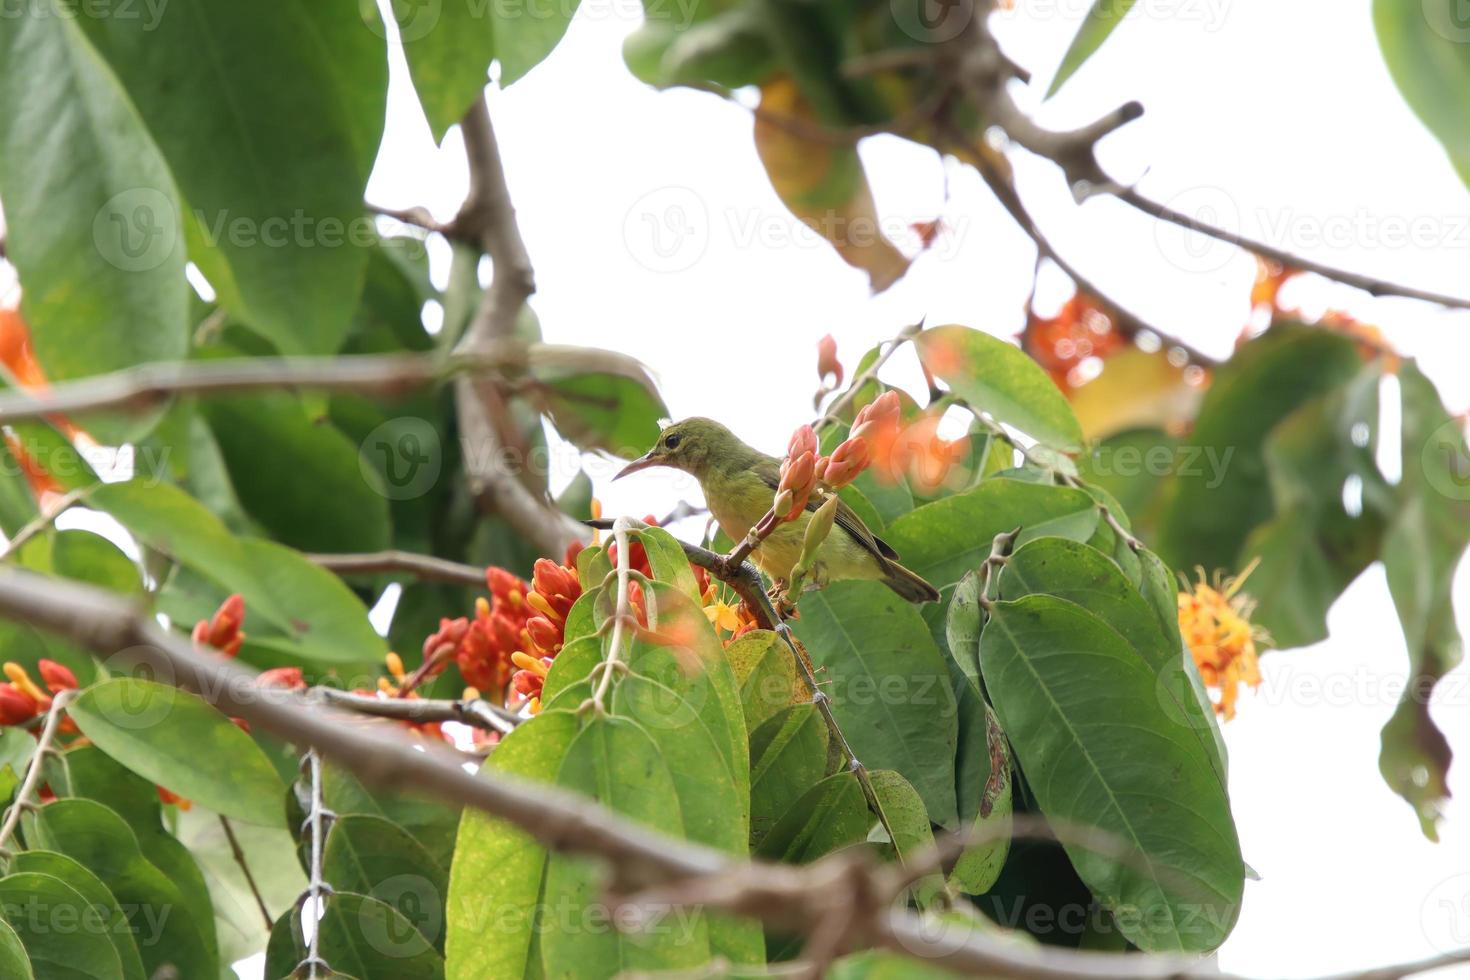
723 616
1215 623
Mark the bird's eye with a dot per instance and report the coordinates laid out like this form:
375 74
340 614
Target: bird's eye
671 441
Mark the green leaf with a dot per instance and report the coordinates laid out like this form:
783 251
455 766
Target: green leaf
766 672
449 47
311 462
361 937
788 756
17 502
999 379
888 684
829 816
1220 491
280 881
912 834
273 180
169 930
1099 23
310 605
494 857
14 961
32 902
177 740
1132 467
373 856
109 916
1422 547
91 213
1424 46
714 801
597 399
1065 686
525 33
944 540
979 865
433 823
615 762
666 559
962 622
85 557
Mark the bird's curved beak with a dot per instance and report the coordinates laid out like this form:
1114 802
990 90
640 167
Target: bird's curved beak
641 463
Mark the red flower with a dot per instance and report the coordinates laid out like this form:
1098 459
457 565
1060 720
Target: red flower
57 677
16 707
827 363
223 630
286 677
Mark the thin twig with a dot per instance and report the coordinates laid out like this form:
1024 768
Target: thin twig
239 855
417 216
830 416
786 897
28 787
1373 285
423 711
317 890
44 520
427 568
622 616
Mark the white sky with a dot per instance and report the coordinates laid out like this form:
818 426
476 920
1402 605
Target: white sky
1278 118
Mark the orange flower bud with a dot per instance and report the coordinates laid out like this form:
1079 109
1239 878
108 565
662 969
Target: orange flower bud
803 440
846 462
16 707
57 677
827 363
573 550
438 645
222 631
505 587
545 634
798 477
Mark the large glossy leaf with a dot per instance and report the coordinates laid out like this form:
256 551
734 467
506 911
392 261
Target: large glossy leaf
271 164
912 834
788 756
1424 45
1220 490
306 603
1101 19
525 33
34 905
999 379
888 684
979 865
829 816
109 915
169 930
766 671
944 540
92 217
432 822
598 400
1100 750
177 740
714 799
311 462
613 761
361 938
1423 545
497 858
375 857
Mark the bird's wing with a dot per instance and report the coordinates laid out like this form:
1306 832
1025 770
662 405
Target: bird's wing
769 470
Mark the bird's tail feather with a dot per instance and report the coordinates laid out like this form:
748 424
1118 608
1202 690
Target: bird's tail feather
908 585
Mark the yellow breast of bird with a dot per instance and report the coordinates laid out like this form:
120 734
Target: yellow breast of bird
840 556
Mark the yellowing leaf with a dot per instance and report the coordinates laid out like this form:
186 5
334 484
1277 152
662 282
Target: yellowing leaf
1137 388
823 183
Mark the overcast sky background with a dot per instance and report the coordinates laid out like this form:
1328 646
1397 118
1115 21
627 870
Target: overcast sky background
1278 119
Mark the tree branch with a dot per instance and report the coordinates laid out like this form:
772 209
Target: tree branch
31 785
425 567
789 898
488 217
238 853
476 712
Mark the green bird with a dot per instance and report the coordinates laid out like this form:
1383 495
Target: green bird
739 484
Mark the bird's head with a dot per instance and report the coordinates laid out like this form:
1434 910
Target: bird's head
693 445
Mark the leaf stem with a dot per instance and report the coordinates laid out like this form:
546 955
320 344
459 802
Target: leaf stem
239 854
29 786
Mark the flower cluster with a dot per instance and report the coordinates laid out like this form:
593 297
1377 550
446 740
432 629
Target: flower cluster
1081 330
1214 620
22 700
874 432
554 589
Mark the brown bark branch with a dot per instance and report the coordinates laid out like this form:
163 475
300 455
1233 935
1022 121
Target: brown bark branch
488 217
428 568
476 712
